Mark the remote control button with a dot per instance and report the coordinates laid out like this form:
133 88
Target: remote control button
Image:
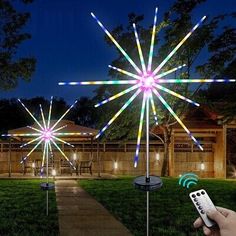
200 208
198 194
193 196
203 212
202 192
198 204
195 199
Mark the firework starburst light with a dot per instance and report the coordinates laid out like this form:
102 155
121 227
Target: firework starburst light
147 81
47 133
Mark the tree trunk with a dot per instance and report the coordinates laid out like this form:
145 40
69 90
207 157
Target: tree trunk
165 166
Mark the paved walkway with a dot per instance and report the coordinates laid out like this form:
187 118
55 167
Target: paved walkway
82 215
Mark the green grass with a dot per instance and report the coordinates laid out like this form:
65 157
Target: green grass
171 210
23 211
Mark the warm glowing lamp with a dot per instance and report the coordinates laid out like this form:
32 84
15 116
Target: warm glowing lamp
115 165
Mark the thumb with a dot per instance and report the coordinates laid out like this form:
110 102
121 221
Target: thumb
216 216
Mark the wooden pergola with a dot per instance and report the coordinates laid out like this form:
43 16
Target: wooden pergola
208 127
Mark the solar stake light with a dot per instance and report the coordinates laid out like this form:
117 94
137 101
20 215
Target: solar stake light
148 82
47 134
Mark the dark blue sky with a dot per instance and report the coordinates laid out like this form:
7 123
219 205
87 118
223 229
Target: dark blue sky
70 46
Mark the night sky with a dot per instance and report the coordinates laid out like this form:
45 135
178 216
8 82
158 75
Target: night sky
69 45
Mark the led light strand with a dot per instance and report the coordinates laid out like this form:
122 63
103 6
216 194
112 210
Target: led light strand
70 134
44 153
178 46
117 95
42 115
32 149
60 128
125 72
33 128
63 115
63 154
176 94
21 135
176 117
153 109
169 72
118 113
62 141
140 129
30 114
32 141
152 41
117 44
140 50
109 82
50 112
178 81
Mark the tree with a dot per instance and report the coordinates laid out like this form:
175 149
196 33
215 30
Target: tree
84 113
221 64
12 65
176 24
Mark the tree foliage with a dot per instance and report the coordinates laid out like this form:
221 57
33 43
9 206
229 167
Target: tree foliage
12 65
222 64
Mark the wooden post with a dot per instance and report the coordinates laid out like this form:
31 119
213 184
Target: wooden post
171 156
9 159
91 148
98 160
220 154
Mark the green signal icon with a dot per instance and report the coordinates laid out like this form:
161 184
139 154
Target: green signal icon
188 179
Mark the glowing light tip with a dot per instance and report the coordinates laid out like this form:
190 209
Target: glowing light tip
92 14
61 83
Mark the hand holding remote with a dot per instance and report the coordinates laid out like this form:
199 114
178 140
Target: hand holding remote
225 219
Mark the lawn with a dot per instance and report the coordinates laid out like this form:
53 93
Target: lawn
22 209
171 210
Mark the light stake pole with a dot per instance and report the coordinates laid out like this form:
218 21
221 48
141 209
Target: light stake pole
147 183
147 159
47 181
47 186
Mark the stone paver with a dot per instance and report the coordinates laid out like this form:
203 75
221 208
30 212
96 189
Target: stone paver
82 215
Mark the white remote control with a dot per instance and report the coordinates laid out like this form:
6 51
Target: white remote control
203 203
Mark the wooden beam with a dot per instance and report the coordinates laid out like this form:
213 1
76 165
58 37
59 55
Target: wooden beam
195 135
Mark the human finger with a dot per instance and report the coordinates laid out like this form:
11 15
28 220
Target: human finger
198 223
206 231
216 216
223 211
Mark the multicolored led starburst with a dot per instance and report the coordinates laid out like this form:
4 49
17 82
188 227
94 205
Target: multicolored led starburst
147 81
47 133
